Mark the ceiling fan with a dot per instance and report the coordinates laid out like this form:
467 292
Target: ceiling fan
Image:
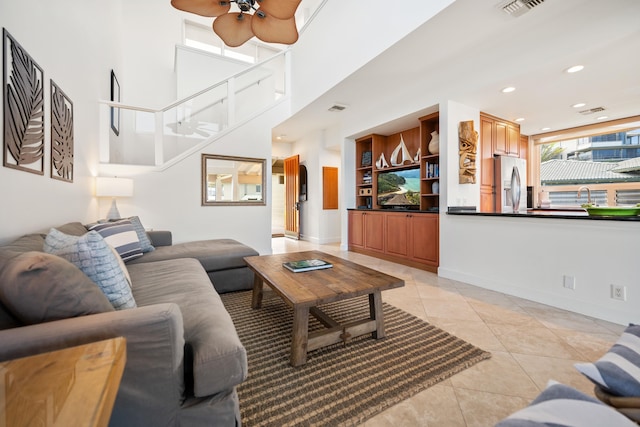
272 21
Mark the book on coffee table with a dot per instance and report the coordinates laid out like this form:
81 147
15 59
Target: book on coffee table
306 265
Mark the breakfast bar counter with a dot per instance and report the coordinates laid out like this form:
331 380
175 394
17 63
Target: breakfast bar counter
545 213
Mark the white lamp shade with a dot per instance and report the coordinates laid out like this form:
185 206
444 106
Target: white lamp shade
114 187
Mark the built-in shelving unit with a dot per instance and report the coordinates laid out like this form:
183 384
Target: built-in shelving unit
405 234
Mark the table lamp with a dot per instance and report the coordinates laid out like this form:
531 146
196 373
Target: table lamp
113 187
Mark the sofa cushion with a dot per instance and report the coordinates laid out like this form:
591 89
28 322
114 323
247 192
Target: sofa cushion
37 287
215 254
26 243
214 355
560 405
91 254
72 229
122 236
618 371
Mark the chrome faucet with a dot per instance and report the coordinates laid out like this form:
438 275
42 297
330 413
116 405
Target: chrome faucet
588 193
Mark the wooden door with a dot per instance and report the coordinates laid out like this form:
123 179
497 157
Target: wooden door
374 231
397 233
292 191
425 238
356 229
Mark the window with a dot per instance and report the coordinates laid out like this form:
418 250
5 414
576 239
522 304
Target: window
202 37
604 158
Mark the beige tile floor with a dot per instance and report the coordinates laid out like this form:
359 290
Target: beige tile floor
530 343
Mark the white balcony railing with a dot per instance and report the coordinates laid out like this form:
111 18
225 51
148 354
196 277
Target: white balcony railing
154 137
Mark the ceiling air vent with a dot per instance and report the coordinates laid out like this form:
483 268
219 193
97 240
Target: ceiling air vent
519 7
337 107
591 111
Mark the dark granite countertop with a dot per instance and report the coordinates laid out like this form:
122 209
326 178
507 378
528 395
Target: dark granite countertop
546 213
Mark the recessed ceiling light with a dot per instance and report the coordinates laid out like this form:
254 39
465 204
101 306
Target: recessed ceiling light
545 129
602 117
508 89
575 69
578 105
520 119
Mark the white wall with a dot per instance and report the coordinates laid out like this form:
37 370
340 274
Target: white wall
73 42
316 224
322 58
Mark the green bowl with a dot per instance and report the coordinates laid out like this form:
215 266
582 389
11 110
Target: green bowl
613 210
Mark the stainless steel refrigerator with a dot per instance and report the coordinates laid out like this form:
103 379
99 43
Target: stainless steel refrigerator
510 184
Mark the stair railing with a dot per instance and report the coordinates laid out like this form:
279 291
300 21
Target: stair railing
137 135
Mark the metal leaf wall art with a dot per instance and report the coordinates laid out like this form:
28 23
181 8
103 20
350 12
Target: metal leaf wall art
61 135
23 88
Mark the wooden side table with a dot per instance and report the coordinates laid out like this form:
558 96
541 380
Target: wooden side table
76 386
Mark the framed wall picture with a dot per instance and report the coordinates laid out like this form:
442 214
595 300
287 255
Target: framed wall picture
115 97
23 95
61 135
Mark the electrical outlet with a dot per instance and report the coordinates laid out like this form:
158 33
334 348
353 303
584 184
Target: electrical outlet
569 282
619 292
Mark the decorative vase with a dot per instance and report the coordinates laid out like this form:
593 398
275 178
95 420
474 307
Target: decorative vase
435 187
434 144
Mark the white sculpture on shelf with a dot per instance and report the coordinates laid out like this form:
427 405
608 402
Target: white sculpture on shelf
381 162
396 160
416 159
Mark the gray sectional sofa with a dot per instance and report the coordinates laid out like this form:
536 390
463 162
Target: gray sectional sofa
184 357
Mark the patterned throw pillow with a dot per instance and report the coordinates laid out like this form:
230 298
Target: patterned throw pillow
560 405
91 254
120 235
618 371
145 242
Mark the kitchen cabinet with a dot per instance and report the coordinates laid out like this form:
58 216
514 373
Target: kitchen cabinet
497 137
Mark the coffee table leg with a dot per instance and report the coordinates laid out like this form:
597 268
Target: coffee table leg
300 336
256 299
375 312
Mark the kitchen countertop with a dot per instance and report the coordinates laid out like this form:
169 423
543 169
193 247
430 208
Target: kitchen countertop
547 213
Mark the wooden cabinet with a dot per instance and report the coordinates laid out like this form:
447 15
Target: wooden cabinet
410 238
497 137
366 230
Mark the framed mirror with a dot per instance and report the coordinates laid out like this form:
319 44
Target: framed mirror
228 180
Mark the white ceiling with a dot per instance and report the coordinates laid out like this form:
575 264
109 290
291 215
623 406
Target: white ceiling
472 49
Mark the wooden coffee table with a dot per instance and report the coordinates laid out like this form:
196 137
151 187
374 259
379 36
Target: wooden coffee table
305 291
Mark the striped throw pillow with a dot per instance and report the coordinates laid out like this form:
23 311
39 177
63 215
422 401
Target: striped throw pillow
122 236
560 405
618 371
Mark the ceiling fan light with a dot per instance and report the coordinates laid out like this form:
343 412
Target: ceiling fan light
202 7
233 28
272 30
280 9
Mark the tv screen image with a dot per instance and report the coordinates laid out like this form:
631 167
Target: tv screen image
399 188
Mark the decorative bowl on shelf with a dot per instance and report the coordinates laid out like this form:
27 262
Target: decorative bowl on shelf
613 210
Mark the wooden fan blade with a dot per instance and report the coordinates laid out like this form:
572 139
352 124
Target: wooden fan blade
272 30
202 7
280 9
233 28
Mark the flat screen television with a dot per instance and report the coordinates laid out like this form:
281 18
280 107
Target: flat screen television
399 189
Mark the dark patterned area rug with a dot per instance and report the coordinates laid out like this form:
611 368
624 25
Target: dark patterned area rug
339 385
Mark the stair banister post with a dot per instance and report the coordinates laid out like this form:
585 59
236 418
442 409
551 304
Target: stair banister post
159 137
231 105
